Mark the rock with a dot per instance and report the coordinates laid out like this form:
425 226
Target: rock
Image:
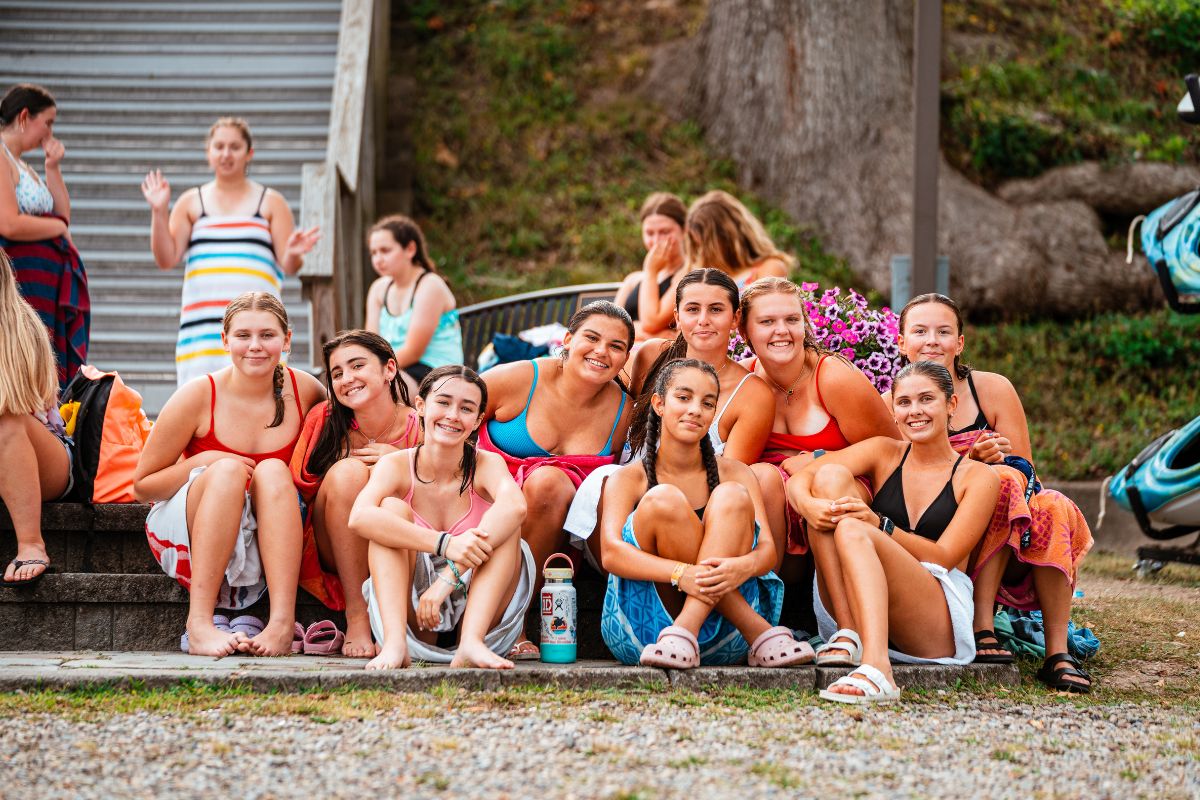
1123 189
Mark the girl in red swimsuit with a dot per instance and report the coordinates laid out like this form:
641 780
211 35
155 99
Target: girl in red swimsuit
225 521
821 402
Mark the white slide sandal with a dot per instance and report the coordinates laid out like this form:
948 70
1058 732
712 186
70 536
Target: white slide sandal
875 687
851 643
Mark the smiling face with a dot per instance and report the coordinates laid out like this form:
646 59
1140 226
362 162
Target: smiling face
931 333
255 341
775 328
921 408
452 410
359 378
227 152
705 317
389 257
598 349
688 404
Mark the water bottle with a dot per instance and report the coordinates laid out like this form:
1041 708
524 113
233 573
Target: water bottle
558 612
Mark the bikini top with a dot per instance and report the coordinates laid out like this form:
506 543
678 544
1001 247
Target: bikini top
714 430
980 422
209 441
470 519
512 435
631 302
828 438
889 501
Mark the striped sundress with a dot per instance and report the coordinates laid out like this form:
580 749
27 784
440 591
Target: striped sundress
227 255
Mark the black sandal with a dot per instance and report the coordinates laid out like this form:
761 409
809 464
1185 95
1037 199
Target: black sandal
993 644
1056 678
16 565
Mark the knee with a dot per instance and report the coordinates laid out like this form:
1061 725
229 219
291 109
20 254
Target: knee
347 475
852 533
664 501
548 488
731 497
228 473
395 505
272 476
832 480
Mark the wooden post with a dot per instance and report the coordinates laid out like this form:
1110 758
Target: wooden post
927 54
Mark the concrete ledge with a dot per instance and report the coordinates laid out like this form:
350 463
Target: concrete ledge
64 671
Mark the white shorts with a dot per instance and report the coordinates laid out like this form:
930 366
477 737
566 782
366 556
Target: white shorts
584 512
499 640
960 601
170 542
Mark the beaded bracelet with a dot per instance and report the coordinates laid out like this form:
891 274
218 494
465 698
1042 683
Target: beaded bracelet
443 578
457 576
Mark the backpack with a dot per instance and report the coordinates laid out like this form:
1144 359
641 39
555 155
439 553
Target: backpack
1171 242
106 421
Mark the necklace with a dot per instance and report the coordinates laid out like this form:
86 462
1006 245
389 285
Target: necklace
787 392
371 439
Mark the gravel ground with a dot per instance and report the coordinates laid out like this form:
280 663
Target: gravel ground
685 746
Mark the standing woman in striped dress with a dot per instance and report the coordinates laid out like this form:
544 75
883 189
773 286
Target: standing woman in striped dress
235 235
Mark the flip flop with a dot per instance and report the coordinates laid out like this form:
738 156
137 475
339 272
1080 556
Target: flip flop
993 644
778 647
298 639
16 565
251 626
524 650
676 648
323 639
875 687
220 622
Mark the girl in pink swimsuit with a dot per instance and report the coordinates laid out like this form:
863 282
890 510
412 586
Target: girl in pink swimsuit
451 548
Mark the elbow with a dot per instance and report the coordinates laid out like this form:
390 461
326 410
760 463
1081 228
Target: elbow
140 491
520 509
356 523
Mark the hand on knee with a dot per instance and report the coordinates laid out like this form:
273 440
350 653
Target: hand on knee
832 480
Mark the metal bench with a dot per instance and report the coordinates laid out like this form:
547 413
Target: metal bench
518 312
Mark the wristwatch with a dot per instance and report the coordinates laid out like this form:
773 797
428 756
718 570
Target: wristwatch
886 525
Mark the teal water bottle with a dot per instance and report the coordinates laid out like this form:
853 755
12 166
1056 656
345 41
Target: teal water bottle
558 612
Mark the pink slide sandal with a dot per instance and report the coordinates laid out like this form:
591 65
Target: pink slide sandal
298 639
323 639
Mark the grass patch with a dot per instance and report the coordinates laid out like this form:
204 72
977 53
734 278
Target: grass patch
1095 391
1035 84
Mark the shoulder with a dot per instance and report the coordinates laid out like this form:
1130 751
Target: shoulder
773 265
185 406
273 201
378 286
733 470
188 203
754 390
993 385
432 284
629 478
311 389
836 375
978 475
508 377
645 356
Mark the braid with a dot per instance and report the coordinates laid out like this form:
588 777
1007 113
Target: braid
710 462
279 405
649 461
639 425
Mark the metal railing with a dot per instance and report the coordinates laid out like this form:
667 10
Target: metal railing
338 194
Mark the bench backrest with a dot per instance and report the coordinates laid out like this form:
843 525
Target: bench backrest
518 312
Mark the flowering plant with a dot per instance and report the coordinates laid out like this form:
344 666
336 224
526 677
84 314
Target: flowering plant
846 324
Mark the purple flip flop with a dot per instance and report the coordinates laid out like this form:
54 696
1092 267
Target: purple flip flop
220 622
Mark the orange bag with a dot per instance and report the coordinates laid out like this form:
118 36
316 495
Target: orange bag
105 419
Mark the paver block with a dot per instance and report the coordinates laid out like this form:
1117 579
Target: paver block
934 676
94 627
802 678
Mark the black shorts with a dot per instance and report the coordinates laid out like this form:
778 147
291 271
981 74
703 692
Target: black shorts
417 372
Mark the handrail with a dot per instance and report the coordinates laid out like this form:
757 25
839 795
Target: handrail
338 194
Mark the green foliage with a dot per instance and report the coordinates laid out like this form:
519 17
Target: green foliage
1095 391
1038 84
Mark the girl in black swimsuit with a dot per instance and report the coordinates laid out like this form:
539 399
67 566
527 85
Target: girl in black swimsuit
899 560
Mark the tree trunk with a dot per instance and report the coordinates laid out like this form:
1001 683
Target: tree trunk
813 101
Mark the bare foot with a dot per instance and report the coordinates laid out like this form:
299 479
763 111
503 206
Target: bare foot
391 657
275 639
477 654
27 552
358 642
205 640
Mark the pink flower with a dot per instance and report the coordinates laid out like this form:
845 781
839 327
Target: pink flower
851 337
838 326
818 321
828 299
810 286
848 352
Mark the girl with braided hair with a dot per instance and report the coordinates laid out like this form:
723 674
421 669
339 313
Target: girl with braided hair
226 521
687 546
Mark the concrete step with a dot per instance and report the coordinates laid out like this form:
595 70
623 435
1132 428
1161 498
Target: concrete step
185 137
34 34
128 186
205 65
94 211
259 12
152 90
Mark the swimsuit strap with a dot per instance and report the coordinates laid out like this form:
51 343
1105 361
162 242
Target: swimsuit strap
412 478
717 420
261 197
817 384
200 195
413 297
296 392
212 409
611 433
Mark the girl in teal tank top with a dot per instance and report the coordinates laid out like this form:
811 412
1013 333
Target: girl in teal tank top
423 327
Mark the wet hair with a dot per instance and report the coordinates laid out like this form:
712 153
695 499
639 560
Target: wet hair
28 378
405 231
237 123
929 369
263 301
430 382
603 308
772 285
333 443
664 204
24 97
961 370
654 426
676 350
722 233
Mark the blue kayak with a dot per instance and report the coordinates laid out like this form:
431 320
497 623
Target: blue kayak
1162 485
